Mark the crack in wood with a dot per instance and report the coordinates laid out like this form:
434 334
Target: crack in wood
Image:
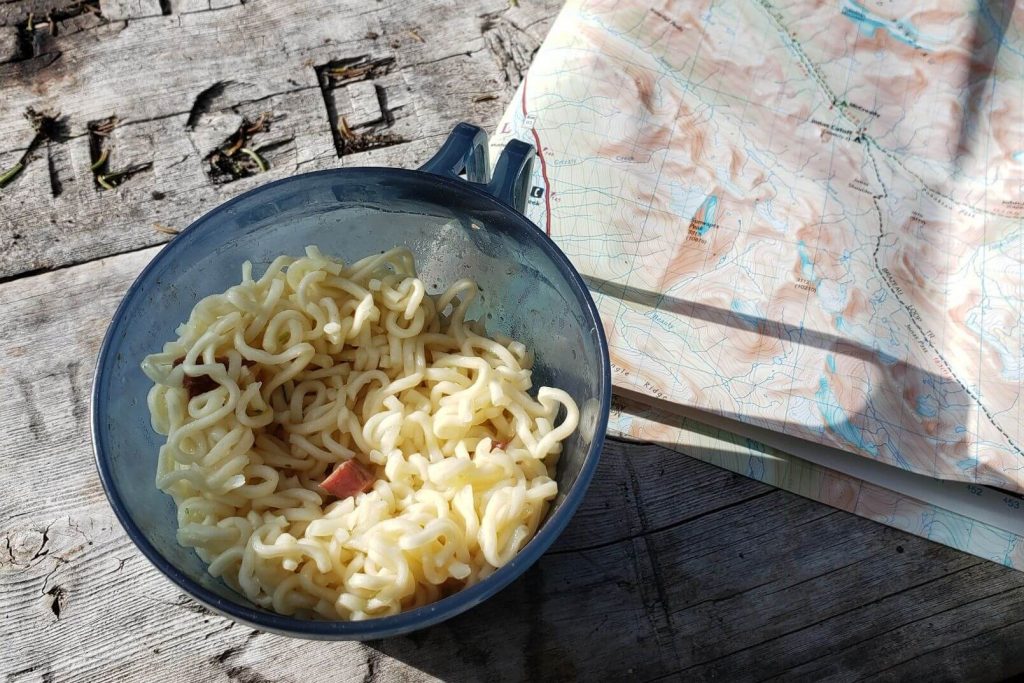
56 604
663 528
373 659
43 550
931 615
829 617
230 625
66 266
226 655
42 671
242 674
876 674
246 674
510 54
667 629
445 58
10 551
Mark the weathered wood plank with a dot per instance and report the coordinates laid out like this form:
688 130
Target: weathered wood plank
672 568
176 83
883 640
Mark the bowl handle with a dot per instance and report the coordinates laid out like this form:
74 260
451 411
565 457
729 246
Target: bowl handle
465 150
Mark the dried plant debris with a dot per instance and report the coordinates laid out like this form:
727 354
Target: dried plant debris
47 126
99 154
343 71
350 141
236 158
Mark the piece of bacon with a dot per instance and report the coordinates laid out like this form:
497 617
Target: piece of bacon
203 383
348 479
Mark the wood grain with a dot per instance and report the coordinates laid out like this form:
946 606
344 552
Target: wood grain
180 83
672 569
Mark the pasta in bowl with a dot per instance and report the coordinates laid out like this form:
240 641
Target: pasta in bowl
357 450
343 445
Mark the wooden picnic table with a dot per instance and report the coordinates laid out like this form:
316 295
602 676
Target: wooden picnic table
111 113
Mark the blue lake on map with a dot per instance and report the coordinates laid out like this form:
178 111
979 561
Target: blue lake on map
837 419
806 262
927 406
870 22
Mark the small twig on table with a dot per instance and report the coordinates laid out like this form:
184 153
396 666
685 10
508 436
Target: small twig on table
258 126
230 151
344 72
96 165
345 131
106 127
11 173
111 180
255 157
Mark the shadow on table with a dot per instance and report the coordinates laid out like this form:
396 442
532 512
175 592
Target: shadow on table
897 423
597 605
669 565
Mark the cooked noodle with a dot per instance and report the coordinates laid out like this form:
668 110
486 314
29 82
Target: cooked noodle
278 380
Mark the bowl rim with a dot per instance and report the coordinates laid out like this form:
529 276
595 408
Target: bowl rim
417 618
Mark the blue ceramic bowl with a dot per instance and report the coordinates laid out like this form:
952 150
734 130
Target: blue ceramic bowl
456 228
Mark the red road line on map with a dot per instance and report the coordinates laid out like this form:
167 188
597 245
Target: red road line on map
543 168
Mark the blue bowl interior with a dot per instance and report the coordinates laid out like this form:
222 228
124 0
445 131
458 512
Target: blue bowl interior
529 292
